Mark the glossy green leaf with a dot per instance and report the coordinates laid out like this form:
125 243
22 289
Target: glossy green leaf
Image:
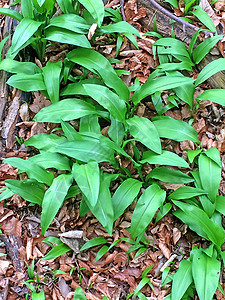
209 70
54 198
214 95
116 131
95 8
107 99
199 222
192 154
11 13
24 31
204 18
66 110
166 67
49 160
72 22
186 192
66 36
38 296
45 142
171 176
33 171
167 158
125 195
182 279
73 191
27 82
172 46
14 66
186 93
120 27
102 251
163 211
206 274
77 88
51 74
6 193
220 204
144 131
66 6
28 189
204 47
70 133
27 9
176 130
56 251
90 124
152 198
79 294
210 175
87 177
93 243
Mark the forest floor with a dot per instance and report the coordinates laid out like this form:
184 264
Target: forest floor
116 274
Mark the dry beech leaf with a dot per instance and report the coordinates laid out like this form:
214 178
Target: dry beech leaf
92 31
166 251
176 235
120 260
204 4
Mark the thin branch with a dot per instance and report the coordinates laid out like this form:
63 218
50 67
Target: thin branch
122 9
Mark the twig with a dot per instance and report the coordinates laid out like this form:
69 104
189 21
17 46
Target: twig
122 9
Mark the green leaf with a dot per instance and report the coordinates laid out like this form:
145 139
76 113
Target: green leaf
210 175
144 130
72 22
90 124
93 243
56 251
27 82
120 27
163 211
176 130
70 133
11 13
186 93
107 99
206 274
32 170
45 142
171 176
172 46
209 70
28 189
116 131
220 204
125 195
159 84
66 36
66 6
192 154
103 250
73 191
66 110
23 33
182 279
214 95
77 88
79 294
7 193
199 222
2 44
184 65
204 47
51 74
87 177
54 198
95 8
152 198
48 160
13 66
38 296
204 18
186 192
167 158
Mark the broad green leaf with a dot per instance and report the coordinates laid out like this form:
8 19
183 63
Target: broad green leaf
125 195
87 177
32 40
66 110
199 222
95 8
56 251
90 124
79 294
120 27
176 130
220 204
163 211
38 296
72 22
214 95
77 88
49 160
51 74
204 47
73 191
66 6
33 171
2 44
166 67
159 84
97 63
28 189
186 93
45 142
172 46
107 99
186 192
14 66
204 18
11 13
116 131
66 36
41 2
171 176
210 175
23 32
206 274
7 193
27 82
144 130
93 243
152 198
54 198
167 158
83 209
209 70
70 133
87 151
192 154
27 9
103 250
182 279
